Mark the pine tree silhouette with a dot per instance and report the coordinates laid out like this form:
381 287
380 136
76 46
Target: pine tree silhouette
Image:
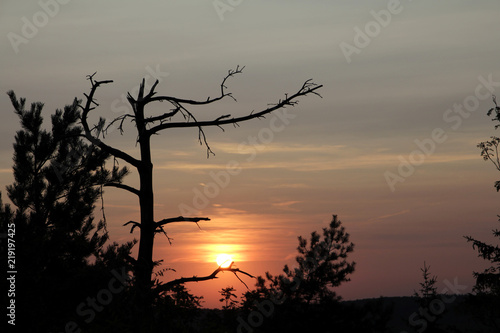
61 253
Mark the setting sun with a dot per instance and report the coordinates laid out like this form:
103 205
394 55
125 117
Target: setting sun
224 260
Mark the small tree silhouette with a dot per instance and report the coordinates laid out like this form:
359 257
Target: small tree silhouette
229 298
428 289
425 297
322 265
303 299
183 298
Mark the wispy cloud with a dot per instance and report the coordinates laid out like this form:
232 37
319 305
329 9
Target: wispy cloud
231 148
309 158
296 185
227 211
286 205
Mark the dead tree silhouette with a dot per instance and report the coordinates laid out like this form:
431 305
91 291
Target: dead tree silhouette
146 127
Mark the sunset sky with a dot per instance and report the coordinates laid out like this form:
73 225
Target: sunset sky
406 89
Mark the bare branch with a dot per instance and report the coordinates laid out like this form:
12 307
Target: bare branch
307 88
201 134
152 90
231 73
88 133
170 284
181 219
124 187
134 225
164 116
160 229
240 278
202 138
121 119
223 117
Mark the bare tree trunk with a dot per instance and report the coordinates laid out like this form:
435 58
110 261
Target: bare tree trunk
144 264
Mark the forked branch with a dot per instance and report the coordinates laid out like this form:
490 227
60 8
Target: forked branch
235 271
90 105
307 88
179 106
181 219
134 225
174 100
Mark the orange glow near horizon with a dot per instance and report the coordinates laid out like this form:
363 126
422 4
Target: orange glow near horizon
231 252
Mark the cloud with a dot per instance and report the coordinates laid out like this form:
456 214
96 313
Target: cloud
309 158
285 204
298 185
228 211
232 148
